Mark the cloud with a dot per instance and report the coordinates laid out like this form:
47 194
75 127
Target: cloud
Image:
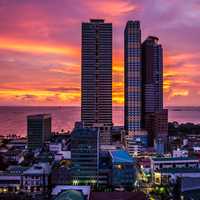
63 89
40 47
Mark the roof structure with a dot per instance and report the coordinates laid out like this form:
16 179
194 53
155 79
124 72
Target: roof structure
121 156
174 159
69 195
180 170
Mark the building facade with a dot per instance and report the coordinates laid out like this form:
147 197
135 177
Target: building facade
156 124
133 84
152 75
96 91
39 130
35 180
154 117
96 84
163 162
123 169
85 155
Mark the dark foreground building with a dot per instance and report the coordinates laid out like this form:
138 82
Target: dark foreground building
85 155
38 130
117 195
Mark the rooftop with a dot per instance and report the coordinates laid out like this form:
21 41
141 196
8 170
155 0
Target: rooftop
39 116
40 168
121 156
59 188
97 20
173 159
180 170
16 168
70 194
118 195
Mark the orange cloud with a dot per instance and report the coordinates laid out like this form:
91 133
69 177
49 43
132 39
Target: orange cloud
111 8
37 47
40 96
180 92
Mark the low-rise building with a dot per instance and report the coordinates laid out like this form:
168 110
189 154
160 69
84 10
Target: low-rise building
11 179
36 179
180 153
123 169
181 162
135 148
55 147
14 155
170 175
62 155
61 173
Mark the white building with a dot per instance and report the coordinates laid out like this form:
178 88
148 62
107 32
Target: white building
163 162
35 179
134 148
180 153
62 155
55 147
196 149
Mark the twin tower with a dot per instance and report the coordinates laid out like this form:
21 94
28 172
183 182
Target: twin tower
143 91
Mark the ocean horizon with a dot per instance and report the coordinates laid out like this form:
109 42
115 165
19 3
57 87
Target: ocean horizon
13 118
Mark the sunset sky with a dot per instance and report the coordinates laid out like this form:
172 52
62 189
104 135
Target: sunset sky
40 47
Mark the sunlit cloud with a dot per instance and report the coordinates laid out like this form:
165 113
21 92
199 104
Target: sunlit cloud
38 48
112 7
40 54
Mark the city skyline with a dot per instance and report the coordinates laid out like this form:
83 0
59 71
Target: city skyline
40 52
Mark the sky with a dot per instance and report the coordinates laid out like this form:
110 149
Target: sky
40 47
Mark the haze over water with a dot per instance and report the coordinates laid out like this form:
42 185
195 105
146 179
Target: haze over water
13 119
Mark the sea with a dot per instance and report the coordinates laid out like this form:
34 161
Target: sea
13 118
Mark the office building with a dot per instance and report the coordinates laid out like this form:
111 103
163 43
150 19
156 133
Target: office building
85 155
123 169
154 117
39 130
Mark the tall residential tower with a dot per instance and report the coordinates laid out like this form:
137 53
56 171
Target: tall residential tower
135 138
133 84
96 89
152 79
154 117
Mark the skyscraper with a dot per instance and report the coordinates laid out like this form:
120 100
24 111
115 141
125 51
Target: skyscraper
152 79
96 90
133 87
39 130
155 118
133 84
